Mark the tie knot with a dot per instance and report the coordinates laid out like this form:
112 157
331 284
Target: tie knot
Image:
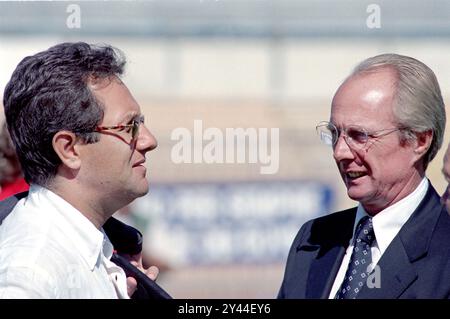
364 231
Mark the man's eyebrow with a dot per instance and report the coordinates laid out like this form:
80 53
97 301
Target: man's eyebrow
129 116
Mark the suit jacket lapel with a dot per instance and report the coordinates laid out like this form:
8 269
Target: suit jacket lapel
323 271
329 251
396 266
394 272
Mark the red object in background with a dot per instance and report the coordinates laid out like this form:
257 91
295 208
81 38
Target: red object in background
15 187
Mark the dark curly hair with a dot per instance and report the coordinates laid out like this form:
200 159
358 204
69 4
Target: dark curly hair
48 92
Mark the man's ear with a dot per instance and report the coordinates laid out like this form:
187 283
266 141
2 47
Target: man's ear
64 143
423 143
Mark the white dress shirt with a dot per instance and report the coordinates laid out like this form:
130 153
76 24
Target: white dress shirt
48 249
386 225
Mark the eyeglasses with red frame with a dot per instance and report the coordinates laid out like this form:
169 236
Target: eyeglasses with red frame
133 127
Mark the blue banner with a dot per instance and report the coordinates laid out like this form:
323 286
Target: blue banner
223 223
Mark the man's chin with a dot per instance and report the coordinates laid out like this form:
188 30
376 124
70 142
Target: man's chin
141 189
356 194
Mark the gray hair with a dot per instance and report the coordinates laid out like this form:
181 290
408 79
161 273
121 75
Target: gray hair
418 104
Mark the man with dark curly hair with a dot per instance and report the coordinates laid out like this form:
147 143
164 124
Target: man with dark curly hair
81 141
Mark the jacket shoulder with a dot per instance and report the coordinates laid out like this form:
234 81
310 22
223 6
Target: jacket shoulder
328 229
7 205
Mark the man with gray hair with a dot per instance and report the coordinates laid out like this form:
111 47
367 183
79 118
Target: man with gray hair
387 123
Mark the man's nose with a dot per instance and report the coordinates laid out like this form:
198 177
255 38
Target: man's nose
341 150
146 141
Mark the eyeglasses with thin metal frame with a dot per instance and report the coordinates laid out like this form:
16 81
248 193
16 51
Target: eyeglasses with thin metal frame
355 136
133 127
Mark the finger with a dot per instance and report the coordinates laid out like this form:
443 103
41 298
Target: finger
131 286
152 272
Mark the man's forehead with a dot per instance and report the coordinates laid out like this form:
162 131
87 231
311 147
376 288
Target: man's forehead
383 79
361 98
118 104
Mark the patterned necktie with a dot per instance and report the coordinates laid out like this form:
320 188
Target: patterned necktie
356 275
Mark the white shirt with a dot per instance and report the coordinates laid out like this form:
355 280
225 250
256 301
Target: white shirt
386 225
48 249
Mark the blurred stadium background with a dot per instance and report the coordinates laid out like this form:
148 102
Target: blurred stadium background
224 230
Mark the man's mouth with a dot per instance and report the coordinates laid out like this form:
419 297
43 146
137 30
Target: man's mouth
355 175
140 163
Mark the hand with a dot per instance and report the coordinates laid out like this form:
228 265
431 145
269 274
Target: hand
136 260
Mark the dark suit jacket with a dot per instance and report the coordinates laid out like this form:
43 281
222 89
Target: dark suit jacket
415 265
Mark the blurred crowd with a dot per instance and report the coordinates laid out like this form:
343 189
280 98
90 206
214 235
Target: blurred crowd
11 178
